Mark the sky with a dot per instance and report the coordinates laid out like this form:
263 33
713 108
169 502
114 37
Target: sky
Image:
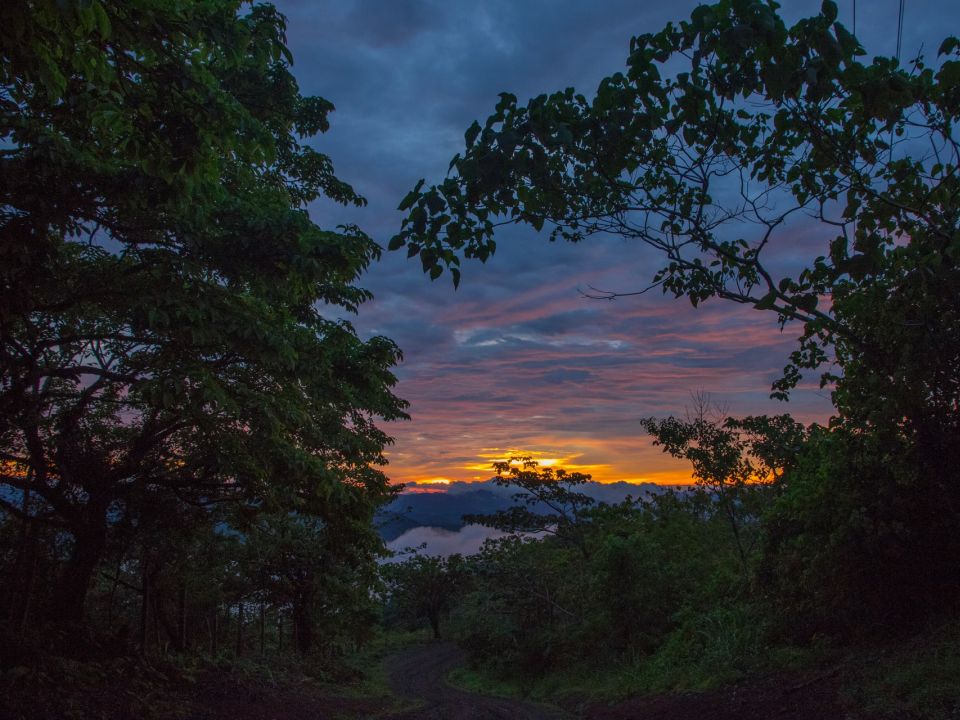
518 361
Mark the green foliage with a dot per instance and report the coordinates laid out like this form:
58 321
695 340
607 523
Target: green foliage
549 502
482 682
539 607
800 122
917 679
712 163
424 587
711 647
322 571
854 544
657 604
163 332
736 463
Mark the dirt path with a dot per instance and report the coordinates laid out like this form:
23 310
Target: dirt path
419 674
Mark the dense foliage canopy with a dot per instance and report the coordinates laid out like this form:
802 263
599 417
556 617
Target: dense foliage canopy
730 144
189 454
164 294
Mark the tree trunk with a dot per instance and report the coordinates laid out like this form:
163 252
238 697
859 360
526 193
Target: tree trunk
182 618
145 593
303 624
113 589
26 604
70 597
214 623
263 627
240 629
155 611
24 571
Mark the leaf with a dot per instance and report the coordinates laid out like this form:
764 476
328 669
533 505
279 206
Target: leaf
703 18
408 200
411 197
396 242
419 220
857 266
103 21
829 10
50 75
949 74
951 44
434 202
767 302
806 302
471 134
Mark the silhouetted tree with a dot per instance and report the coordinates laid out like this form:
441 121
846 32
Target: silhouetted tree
424 587
721 134
162 286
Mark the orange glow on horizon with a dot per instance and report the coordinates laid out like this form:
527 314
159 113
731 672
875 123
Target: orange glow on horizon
663 471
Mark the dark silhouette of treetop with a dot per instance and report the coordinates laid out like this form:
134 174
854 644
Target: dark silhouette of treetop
162 286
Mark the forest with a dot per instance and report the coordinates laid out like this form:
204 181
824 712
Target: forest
193 433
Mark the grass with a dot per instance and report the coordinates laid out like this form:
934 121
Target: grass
914 680
163 687
690 660
478 681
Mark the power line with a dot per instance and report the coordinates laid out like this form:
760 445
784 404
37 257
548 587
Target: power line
900 28
899 42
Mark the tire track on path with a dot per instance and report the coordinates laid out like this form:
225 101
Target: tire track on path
419 673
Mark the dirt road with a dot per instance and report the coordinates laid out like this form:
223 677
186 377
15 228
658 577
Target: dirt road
419 674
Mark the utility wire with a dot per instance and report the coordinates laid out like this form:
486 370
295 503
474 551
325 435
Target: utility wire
900 27
899 42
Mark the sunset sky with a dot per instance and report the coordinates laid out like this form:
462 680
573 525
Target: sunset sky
517 360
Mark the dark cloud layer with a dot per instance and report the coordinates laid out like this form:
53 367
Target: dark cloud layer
517 359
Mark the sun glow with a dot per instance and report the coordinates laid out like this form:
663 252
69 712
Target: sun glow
571 462
570 454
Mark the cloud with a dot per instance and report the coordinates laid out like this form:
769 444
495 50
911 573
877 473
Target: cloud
517 357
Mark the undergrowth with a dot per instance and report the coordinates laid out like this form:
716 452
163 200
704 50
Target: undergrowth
164 686
915 680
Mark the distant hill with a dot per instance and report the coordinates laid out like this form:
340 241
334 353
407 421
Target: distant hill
446 509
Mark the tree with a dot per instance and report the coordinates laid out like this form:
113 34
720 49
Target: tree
162 287
766 123
323 572
761 126
736 463
525 610
549 506
425 586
